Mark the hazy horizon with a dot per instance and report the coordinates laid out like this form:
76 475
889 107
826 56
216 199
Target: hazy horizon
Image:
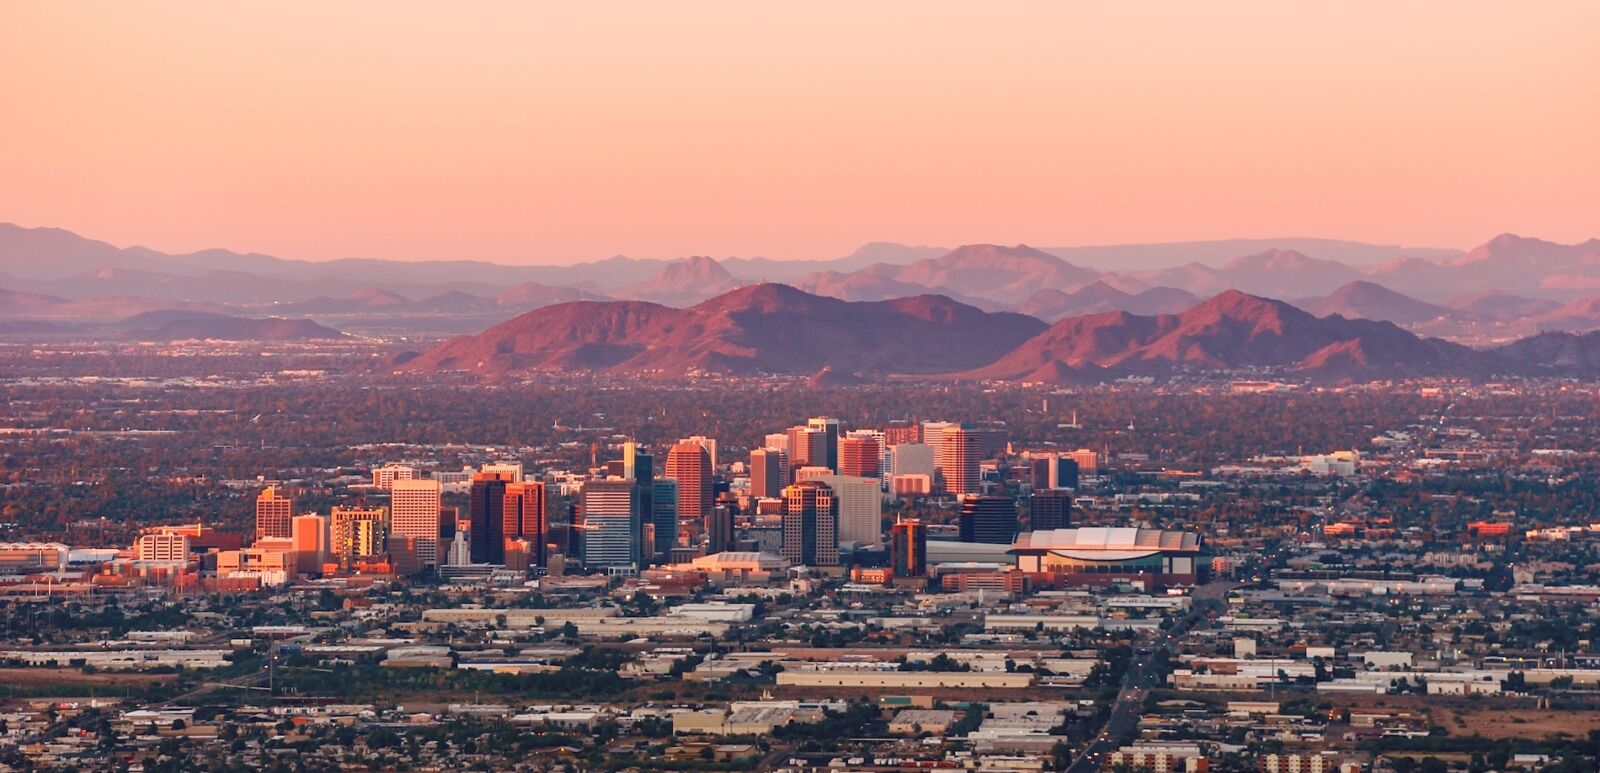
555 135
246 250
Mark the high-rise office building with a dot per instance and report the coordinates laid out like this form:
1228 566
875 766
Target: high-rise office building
1047 471
356 533
525 519
778 440
860 457
858 503
690 465
664 515
933 432
611 524
709 444
311 542
810 525
486 508
1049 508
989 519
414 512
274 513
908 548
637 464
957 459
769 472
719 528
1066 474
808 447
1041 469
829 427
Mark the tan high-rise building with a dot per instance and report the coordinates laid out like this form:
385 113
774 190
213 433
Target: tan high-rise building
414 512
690 465
808 447
810 525
274 513
769 472
356 533
957 460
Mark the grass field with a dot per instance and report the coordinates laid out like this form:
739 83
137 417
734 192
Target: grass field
72 683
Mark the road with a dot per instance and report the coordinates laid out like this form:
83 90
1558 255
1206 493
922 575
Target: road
246 682
1142 677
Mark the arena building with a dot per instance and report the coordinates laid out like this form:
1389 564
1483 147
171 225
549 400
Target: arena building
1103 556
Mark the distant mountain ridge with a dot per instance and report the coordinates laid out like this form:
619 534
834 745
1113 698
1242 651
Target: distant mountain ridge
773 329
1508 287
1230 331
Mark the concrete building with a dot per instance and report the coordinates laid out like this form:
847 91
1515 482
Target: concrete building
899 680
162 547
810 525
414 512
859 502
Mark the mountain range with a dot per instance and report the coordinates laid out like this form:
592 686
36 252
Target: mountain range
1507 288
776 329
761 328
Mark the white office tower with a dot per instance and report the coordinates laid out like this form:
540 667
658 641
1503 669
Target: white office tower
460 550
859 504
414 513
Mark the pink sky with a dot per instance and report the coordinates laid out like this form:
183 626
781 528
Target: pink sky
518 132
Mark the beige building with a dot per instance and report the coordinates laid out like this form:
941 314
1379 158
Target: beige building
918 721
162 547
414 512
899 680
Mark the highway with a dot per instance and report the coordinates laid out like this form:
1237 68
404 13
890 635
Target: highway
1142 677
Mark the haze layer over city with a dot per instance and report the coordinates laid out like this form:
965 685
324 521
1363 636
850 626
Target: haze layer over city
735 387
